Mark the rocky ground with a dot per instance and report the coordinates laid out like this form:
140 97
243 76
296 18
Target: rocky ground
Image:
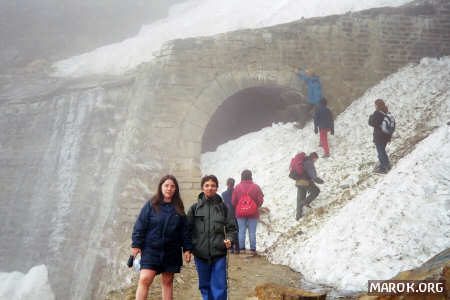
254 278
245 272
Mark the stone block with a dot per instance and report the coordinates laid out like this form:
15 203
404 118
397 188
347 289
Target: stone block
272 291
191 132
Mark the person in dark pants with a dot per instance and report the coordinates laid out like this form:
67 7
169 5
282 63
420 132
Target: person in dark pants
380 138
307 191
160 234
227 196
323 122
213 231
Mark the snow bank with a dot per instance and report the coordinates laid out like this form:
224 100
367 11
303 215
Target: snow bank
394 222
200 18
31 286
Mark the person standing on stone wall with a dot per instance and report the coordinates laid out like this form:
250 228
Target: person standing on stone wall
323 122
313 83
226 196
307 191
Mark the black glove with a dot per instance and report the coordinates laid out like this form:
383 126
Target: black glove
130 261
319 180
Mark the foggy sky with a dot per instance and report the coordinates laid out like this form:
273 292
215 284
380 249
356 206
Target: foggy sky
56 29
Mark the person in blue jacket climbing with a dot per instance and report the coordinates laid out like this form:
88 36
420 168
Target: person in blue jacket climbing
313 83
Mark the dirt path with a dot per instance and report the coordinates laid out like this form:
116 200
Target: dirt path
245 272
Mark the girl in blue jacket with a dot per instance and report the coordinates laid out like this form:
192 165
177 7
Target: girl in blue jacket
160 234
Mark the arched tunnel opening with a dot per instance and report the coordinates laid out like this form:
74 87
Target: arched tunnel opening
252 109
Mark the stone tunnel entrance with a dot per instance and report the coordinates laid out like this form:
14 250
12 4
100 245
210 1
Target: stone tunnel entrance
252 109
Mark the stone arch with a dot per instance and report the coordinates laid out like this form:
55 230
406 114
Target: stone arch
201 109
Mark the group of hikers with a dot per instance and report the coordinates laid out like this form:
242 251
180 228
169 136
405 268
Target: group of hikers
164 233
302 167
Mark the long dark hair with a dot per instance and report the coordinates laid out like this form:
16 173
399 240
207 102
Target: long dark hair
176 198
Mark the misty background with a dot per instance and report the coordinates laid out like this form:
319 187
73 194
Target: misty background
51 30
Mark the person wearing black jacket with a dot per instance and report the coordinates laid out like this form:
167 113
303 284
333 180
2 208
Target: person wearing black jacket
213 231
323 122
380 138
226 196
160 234
305 185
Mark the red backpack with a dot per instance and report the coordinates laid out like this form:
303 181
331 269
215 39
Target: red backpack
296 166
246 206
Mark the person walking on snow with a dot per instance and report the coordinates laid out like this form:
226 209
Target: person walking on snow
226 196
380 137
314 85
323 122
244 188
307 191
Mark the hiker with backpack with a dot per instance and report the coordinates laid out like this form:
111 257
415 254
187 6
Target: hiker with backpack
213 231
383 124
323 122
314 85
226 196
303 171
247 198
160 234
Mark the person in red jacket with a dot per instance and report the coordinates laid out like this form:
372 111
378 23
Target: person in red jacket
244 188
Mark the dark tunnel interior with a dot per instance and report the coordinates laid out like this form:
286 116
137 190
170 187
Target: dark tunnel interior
252 109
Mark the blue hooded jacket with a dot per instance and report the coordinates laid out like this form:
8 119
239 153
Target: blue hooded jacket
314 88
161 236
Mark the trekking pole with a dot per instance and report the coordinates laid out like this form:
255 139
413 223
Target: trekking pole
226 261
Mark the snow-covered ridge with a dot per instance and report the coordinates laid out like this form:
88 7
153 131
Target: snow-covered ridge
386 227
200 18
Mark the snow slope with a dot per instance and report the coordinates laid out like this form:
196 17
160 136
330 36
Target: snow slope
392 222
31 286
199 18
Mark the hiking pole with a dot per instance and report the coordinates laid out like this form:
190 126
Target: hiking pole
226 261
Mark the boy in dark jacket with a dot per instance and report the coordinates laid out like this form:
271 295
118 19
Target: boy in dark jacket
213 231
305 185
323 122
380 138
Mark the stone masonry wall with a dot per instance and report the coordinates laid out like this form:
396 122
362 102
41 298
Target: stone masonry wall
175 96
128 132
